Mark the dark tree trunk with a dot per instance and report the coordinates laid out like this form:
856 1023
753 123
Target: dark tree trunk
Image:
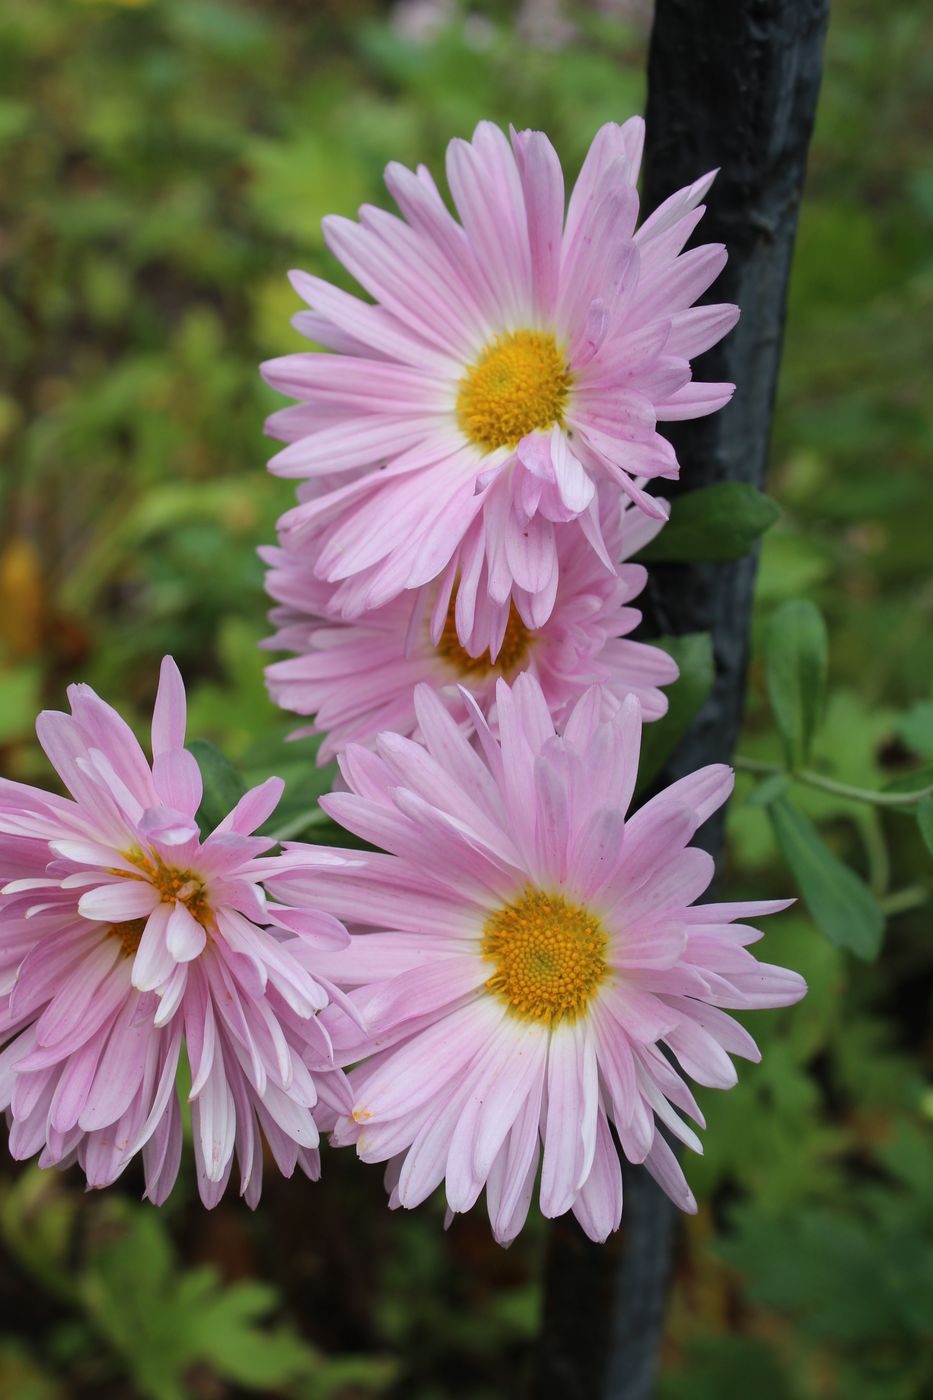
733 84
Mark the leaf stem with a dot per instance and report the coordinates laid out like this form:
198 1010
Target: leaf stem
808 778
298 824
900 901
868 821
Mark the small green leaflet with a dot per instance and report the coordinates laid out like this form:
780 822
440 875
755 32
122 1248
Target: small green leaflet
795 671
841 904
223 786
713 525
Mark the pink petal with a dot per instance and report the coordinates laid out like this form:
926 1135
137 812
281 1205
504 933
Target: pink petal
121 1068
119 902
177 778
598 1205
153 962
543 186
169 711
185 938
567 1128
254 808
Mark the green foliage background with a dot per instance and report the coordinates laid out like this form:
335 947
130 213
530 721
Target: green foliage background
164 163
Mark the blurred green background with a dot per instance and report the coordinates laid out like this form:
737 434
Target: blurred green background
164 163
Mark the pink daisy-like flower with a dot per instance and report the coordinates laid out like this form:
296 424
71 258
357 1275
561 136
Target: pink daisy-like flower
539 969
358 677
122 934
512 362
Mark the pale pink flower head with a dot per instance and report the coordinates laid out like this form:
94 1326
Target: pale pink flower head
123 933
358 677
538 968
512 362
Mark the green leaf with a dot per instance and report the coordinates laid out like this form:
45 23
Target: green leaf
229 1337
826 1267
714 524
161 1320
339 1376
925 821
916 728
693 653
297 812
127 1293
718 1365
223 786
795 669
841 904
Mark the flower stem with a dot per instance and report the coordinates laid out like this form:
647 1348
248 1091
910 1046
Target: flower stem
808 778
868 821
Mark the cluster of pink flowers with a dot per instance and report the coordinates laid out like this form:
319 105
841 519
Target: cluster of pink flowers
521 965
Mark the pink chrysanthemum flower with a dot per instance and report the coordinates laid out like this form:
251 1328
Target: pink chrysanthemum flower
539 970
512 362
358 677
122 934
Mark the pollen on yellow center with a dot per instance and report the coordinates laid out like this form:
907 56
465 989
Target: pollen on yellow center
519 384
549 956
129 934
172 884
516 644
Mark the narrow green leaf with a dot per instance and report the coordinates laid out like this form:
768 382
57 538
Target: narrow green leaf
925 821
223 786
693 653
715 524
795 670
842 905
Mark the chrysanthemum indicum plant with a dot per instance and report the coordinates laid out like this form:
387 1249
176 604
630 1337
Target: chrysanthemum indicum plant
525 981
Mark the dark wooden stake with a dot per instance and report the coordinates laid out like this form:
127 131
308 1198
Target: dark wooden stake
733 84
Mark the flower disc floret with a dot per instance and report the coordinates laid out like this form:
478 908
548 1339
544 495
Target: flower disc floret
128 935
518 385
173 885
513 651
550 956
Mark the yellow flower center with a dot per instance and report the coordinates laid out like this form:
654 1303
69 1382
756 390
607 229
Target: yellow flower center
550 957
519 383
516 644
129 934
172 884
